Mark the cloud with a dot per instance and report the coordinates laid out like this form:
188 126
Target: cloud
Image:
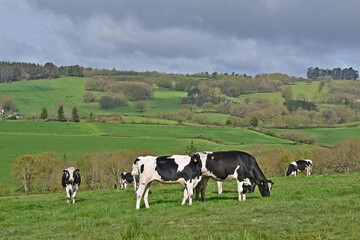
188 36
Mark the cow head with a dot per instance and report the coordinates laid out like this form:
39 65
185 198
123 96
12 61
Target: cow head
265 187
71 175
203 157
196 160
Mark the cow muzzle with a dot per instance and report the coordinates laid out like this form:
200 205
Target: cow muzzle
204 169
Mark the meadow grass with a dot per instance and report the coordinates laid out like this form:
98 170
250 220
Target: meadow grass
32 96
73 139
302 207
328 136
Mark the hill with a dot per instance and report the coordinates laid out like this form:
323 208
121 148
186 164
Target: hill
303 207
73 139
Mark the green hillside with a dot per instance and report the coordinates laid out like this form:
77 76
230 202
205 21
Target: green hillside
303 207
73 139
32 96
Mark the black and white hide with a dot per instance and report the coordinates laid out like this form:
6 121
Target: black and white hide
299 166
71 181
128 178
182 169
233 165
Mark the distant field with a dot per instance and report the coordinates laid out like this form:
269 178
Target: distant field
303 207
326 135
73 139
32 96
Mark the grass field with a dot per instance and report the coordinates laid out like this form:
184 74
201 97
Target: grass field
32 96
326 136
73 139
303 207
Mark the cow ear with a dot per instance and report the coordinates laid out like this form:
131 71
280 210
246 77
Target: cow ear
212 157
65 171
262 183
77 170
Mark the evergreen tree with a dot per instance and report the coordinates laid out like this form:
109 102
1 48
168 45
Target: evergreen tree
44 113
61 115
75 115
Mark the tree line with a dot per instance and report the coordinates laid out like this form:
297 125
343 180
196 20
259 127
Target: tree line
18 71
336 73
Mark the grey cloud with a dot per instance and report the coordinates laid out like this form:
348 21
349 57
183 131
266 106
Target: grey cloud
249 36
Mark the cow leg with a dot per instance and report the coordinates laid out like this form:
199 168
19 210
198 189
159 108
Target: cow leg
190 191
240 190
219 184
201 188
74 194
134 181
67 190
139 195
146 195
185 196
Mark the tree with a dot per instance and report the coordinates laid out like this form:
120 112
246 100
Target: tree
191 149
88 97
254 121
51 70
24 171
61 114
8 103
140 105
287 93
106 102
44 113
75 115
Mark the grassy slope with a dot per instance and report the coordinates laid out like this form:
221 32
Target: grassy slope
73 139
32 96
314 207
326 135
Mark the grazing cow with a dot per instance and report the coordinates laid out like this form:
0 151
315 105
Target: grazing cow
127 178
229 165
299 166
185 170
71 181
250 188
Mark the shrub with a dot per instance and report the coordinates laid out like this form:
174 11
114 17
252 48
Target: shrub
89 97
106 102
297 137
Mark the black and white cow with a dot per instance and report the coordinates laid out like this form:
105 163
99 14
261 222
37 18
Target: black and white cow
185 170
248 188
128 178
71 180
233 165
299 166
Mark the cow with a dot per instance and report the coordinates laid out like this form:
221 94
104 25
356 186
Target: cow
71 180
299 166
127 178
230 165
182 169
249 187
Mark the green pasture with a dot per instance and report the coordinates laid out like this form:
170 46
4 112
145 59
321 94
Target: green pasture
73 139
32 96
303 207
328 136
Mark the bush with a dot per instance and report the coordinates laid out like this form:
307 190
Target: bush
106 102
297 137
343 157
89 97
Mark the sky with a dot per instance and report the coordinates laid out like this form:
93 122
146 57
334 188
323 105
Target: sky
183 36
